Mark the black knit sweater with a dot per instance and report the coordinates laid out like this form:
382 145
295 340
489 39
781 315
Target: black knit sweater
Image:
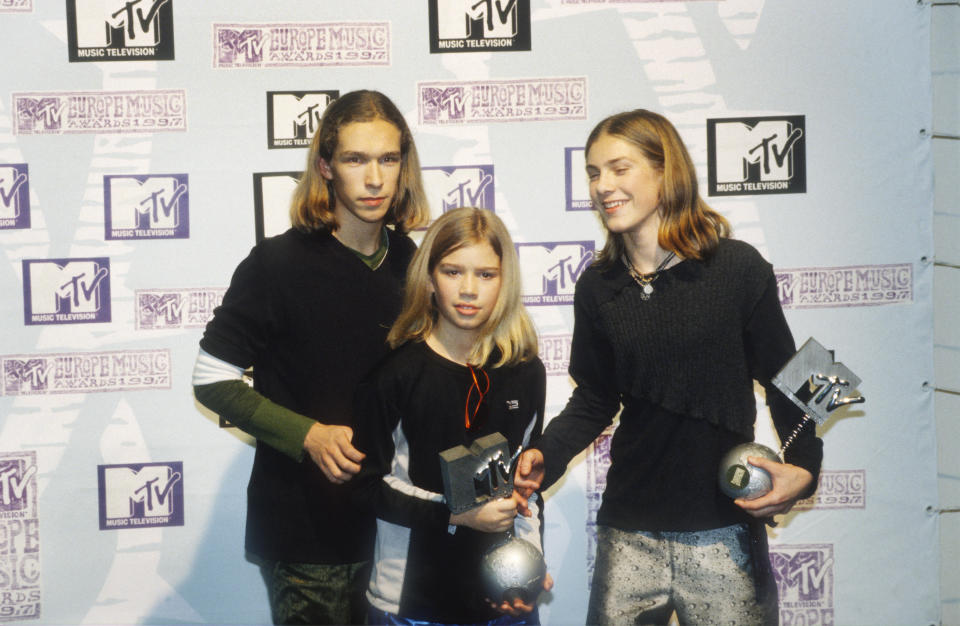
682 364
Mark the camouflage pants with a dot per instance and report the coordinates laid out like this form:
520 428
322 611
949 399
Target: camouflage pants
706 576
309 593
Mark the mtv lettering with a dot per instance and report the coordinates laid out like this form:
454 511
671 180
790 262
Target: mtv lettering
26 376
240 46
440 104
116 23
550 270
476 18
39 114
138 202
298 117
147 492
452 187
804 575
63 290
15 478
13 181
765 147
160 310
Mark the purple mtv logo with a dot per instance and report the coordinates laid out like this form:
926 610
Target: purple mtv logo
577 190
460 185
786 290
804 575
25 376
442 104
18 484
66 291
550 270
39 114
160 310
140 494
146 207
14 196
239 46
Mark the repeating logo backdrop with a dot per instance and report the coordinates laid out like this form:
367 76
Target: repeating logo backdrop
121 221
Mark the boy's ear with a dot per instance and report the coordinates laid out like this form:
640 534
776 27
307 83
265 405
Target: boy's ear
325 169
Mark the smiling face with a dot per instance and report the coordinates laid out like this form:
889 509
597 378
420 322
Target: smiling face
466 285
624 186
365 170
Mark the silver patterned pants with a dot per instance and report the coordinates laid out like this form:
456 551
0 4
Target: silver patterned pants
707 577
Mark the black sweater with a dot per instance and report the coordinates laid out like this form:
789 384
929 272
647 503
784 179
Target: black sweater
411 410
682 364
311 318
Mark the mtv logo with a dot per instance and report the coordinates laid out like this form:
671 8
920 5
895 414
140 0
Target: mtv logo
272 192
459 186
239 46
786 288
38 114
804 574
77 288
14 191
16 477
160 310
577 188
21 377
758 151
439 105
476 19
297 115
146 202
550 270
118 23
814 381
141 491
475 475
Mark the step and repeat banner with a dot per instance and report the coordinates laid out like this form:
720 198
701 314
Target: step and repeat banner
146 145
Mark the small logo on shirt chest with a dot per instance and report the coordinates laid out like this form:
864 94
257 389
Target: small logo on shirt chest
513 405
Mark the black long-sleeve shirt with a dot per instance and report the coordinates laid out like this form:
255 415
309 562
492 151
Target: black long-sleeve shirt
682 364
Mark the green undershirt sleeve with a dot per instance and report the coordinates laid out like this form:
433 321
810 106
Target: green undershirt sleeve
251 412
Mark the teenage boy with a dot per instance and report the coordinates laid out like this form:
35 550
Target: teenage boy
309 311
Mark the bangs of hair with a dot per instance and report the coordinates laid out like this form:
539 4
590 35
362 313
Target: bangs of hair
508 334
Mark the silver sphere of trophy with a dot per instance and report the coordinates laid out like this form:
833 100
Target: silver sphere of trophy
739 479
512 569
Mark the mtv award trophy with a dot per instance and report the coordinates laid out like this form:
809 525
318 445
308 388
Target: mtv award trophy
473 476
814 382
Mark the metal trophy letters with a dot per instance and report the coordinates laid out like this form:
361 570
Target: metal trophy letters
513 568
815 383
472 476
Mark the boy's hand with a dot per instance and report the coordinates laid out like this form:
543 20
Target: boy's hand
495 516
527 479
518 608
331 450
789 481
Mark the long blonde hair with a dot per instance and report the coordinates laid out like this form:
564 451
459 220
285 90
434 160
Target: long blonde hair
509 331
688 226
313 200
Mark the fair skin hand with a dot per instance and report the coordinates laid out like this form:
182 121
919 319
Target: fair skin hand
495 516
789 481
331 449
527 479
518 607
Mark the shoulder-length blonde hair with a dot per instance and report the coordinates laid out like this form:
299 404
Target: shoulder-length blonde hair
509 331
313 200
688 226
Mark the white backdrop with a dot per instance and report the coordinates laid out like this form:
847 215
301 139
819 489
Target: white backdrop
131 189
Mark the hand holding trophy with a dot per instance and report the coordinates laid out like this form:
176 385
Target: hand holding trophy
814 382
513 568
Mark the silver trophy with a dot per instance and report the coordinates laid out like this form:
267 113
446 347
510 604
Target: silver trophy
814 382
513 568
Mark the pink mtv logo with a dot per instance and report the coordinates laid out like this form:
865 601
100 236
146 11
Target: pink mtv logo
239 46
39 114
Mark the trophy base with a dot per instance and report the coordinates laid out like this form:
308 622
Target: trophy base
739 479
